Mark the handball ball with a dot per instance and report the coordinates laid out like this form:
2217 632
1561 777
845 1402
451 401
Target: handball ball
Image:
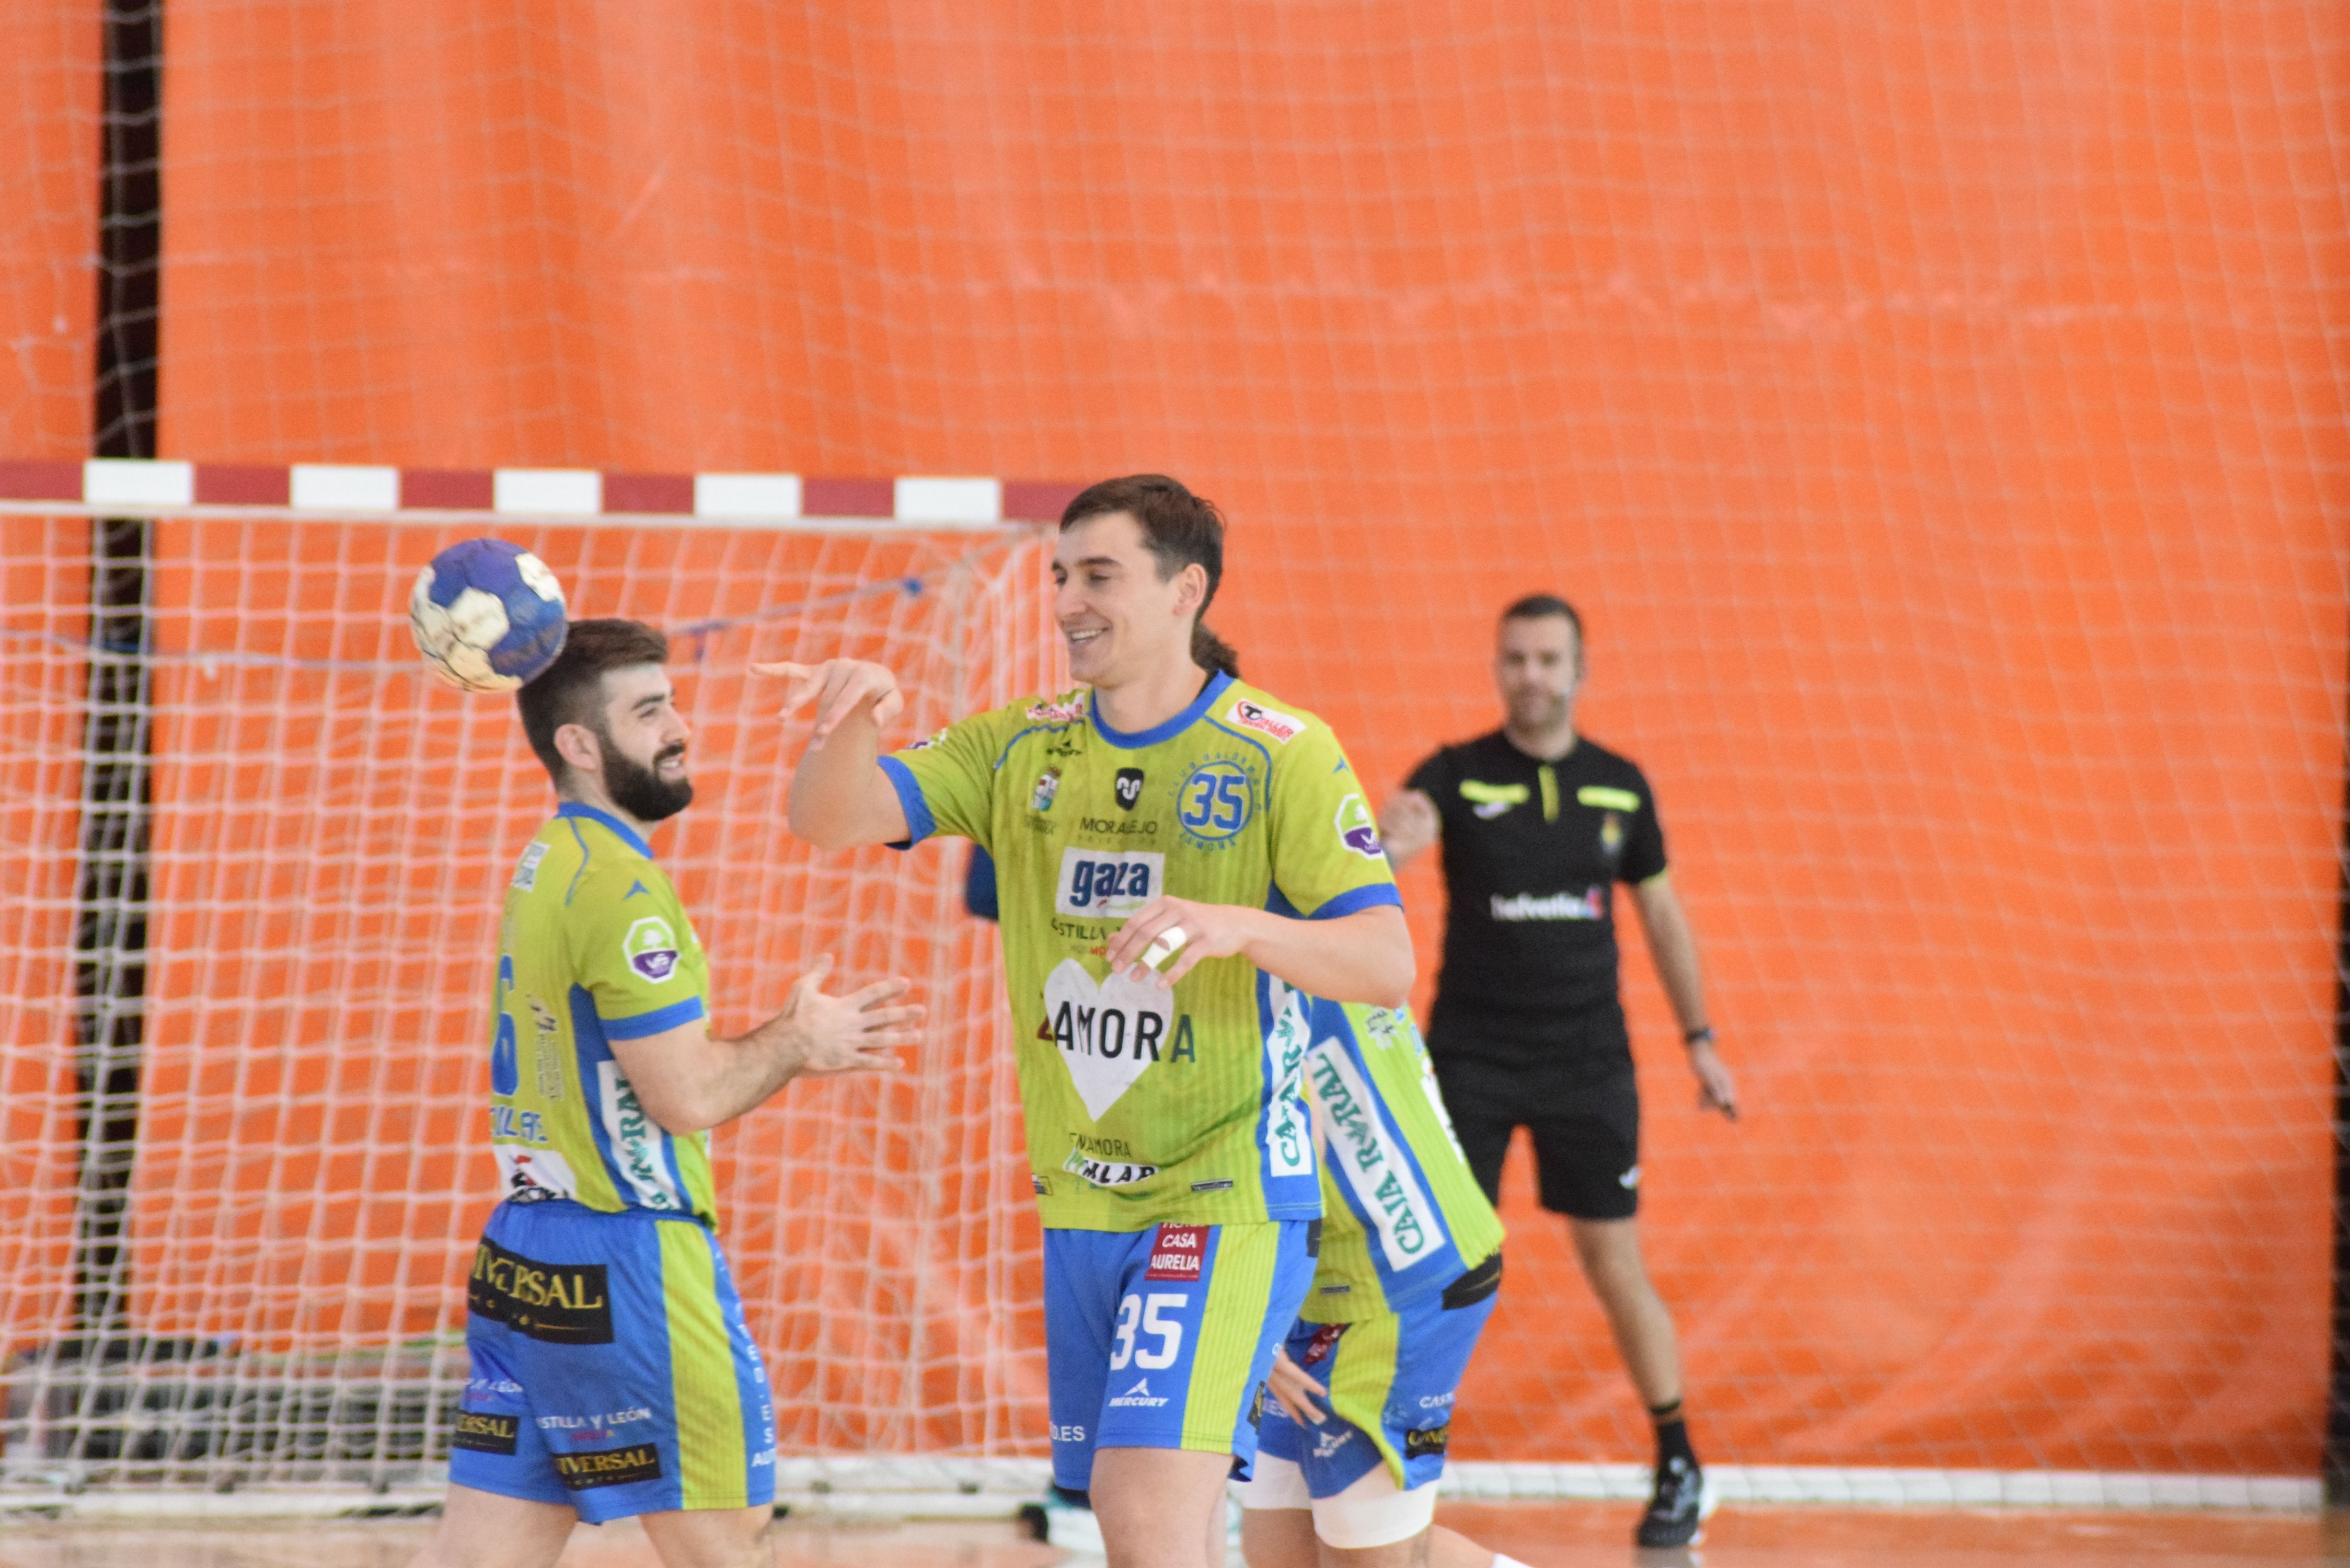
487 615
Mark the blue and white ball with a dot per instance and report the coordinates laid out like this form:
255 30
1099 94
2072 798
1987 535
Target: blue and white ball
487 615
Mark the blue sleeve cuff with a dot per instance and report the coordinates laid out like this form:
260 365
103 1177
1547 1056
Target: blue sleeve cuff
919 823
1357 899
659 1021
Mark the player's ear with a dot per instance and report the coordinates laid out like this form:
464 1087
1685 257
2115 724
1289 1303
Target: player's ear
1190 589
578 745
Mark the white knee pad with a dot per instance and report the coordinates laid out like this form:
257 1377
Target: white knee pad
1374 1512
1275 1483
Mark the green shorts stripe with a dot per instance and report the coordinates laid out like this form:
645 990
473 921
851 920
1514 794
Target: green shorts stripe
708 1402
1240 1298
1363 1377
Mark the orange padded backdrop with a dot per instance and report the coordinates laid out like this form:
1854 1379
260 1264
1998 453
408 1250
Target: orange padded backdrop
1930 405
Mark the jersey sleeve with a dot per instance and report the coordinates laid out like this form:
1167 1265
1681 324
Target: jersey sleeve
1644 839
630 938
1327 860
947 783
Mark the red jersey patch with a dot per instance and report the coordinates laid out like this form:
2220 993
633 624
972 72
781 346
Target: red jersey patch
1178 1253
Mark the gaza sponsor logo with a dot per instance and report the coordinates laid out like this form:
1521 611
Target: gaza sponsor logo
651 948
1264 720
1101 883
1588 905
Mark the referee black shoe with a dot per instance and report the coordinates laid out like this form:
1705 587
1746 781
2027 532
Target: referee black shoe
1678 1507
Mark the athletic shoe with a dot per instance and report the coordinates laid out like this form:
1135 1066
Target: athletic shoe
1064 1521
1678 1508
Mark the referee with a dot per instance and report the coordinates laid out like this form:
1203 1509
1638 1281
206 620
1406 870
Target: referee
1539 824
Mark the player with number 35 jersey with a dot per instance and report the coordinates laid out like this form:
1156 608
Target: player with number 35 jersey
1183 861
1145 1105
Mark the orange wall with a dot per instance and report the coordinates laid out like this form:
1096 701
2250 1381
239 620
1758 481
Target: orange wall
1930 406
48 228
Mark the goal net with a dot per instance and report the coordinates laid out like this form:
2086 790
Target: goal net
251 1268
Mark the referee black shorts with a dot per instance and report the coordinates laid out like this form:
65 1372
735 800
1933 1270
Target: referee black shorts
1586 1132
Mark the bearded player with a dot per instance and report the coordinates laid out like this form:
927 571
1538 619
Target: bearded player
612 1375
1178 857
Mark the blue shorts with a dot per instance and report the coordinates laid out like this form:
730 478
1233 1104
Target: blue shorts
611 1367
1391 1379
1161 1338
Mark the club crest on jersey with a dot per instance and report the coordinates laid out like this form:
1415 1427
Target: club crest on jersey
1357 830
1264 720
927 742
651 948
1611 835
1128 787
1048 785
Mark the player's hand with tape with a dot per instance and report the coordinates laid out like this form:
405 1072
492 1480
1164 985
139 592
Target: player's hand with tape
1170 936
840 687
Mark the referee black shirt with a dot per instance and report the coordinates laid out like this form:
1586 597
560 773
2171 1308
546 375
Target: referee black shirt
1532 851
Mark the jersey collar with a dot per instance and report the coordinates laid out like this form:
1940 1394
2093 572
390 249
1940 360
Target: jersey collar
1166 731
618 829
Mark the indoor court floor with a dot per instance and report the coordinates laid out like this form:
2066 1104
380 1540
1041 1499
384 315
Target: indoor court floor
1544 1536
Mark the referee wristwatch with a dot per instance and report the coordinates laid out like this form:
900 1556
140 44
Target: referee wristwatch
1700 1035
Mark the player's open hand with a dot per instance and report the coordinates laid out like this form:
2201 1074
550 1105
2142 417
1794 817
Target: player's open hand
1168 936
840 687
1715 1092
1294 1389
855 1032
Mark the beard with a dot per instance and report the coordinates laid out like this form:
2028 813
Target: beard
640 791
1536 709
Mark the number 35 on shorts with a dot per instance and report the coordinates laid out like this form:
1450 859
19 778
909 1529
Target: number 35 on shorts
1149 1317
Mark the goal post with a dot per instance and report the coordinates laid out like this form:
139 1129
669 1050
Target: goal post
269 1287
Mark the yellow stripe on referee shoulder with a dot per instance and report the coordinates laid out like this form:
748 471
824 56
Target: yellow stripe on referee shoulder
1608 799
703 1393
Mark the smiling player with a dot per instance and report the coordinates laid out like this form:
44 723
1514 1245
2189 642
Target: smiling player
1173 813
613 1375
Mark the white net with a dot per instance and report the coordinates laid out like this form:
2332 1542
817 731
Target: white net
257 1276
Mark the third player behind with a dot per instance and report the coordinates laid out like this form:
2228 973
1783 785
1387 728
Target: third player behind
1539 823
1355 1437
1161 816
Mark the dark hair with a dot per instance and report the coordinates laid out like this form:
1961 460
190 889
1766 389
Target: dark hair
571 690
1180 529
1533 607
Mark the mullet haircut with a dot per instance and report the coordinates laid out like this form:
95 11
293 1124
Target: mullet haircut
1533 607
571 690
1180 529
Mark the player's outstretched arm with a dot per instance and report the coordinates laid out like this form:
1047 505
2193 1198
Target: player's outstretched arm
687 1081
840 798
1409 826
1362 957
